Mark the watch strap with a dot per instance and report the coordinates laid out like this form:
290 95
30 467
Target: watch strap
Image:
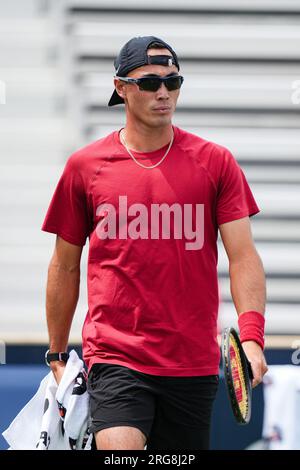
56 356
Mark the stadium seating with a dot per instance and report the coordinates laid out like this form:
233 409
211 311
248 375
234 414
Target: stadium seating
240 61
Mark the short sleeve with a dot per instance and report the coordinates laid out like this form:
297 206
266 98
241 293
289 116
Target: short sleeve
68 212
235 199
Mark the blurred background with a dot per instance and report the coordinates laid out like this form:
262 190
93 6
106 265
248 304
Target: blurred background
241 63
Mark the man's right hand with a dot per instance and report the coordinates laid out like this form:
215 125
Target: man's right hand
58 368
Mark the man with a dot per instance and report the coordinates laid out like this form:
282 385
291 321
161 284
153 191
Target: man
151 198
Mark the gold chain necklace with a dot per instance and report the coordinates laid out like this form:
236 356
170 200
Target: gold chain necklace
137 162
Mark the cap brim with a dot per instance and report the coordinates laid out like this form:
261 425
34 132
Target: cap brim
115 99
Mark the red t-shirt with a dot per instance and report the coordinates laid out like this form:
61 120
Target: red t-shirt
152 286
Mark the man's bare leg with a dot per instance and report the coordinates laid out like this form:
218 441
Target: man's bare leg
120 438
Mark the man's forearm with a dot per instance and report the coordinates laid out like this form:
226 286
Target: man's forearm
248 284
61 300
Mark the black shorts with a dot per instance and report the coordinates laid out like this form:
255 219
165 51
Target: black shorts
172 412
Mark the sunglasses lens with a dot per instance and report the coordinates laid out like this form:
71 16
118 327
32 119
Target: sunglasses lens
173 83
149 84
153 84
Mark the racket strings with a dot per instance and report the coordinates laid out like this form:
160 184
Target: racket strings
238 377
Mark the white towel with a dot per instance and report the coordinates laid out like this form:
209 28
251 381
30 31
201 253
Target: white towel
57 417
281 427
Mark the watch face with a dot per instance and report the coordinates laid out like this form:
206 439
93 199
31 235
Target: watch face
46 358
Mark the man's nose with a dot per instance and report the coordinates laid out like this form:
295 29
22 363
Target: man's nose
163 92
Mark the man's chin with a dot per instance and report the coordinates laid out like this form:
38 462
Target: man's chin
160 121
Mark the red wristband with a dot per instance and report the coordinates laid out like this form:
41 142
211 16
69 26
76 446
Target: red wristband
252 326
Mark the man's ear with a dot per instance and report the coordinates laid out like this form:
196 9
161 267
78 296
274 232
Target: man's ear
120 88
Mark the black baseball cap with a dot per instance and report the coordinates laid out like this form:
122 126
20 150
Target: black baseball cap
134 54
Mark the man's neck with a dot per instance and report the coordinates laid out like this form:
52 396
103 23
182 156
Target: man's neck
144 139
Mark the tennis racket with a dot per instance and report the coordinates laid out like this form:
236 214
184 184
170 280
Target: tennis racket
238 375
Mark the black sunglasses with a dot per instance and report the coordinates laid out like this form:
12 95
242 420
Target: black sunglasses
173 82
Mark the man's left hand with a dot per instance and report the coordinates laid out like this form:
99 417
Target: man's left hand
256 356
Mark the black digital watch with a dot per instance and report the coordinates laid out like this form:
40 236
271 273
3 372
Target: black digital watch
58 356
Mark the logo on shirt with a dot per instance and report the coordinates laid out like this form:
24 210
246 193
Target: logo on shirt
161 221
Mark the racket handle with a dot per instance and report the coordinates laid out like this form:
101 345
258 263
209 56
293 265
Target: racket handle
250 372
